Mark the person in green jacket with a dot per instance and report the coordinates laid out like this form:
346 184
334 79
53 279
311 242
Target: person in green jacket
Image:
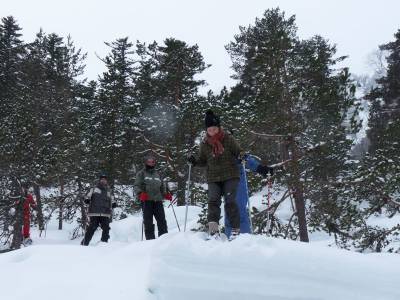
151 191
219 153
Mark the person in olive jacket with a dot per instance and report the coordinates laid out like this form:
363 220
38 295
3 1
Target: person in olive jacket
151 191
219 153
101 204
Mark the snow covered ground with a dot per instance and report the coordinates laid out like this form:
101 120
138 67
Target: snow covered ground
182 266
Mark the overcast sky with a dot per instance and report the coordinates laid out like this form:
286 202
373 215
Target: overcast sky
356 26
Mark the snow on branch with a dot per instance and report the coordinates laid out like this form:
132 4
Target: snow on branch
267 136
153 144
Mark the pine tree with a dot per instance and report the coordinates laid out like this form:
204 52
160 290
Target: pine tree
170 123
13 118
288 89
12 50
377 178
116 113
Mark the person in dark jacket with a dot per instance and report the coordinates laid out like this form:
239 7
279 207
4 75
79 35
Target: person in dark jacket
219 153
101 204
151 191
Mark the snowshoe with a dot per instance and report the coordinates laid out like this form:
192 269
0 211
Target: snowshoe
234 234
214 233
218 236
27 242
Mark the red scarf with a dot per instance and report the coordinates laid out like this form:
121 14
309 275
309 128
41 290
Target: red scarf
216 142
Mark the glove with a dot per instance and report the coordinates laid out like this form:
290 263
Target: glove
168 196
87 201
143 196
265 170
191 159
114 205
252 163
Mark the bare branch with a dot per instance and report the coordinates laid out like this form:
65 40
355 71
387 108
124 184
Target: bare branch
153 144
288 226
267 136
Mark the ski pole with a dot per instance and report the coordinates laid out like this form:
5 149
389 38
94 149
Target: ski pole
142 229
142 204
187 195
142 223
247 190
45 229
173 210
269 185
173 202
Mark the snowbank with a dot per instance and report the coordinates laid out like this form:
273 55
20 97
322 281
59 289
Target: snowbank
181 266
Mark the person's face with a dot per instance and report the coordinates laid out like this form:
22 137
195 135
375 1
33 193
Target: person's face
103 181
151 162
213 130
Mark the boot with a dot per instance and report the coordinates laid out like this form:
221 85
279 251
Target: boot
234 233
213 230
149 232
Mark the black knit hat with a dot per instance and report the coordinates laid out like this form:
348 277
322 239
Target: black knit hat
211 119
103 175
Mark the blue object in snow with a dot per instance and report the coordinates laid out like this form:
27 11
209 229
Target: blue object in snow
242 196
252 163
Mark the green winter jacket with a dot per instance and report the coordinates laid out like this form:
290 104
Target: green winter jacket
150 182
224 166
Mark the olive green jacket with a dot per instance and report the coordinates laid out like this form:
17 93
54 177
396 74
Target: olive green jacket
150 182
224 166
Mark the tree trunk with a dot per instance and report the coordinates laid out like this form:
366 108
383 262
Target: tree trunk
301 211
298 192
61 204
181 190
181 169
17 230
39 206
84 218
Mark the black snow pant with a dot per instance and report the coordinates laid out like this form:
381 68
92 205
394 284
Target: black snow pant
227 189
156 209
104 223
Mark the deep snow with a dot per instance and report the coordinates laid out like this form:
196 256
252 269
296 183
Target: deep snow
184 266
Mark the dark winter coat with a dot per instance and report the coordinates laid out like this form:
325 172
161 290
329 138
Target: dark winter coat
150 182
100 201
222 167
